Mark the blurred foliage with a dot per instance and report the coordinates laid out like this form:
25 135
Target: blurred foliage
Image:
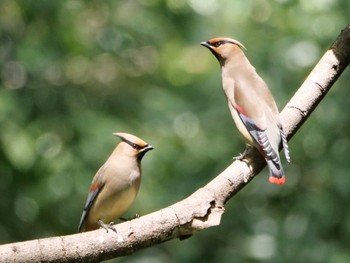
74 72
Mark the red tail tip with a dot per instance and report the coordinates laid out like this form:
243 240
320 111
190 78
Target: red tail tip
276 180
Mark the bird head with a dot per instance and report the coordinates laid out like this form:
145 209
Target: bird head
223 48
133 145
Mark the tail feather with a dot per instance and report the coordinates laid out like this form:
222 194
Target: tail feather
272 157
285 145
276 172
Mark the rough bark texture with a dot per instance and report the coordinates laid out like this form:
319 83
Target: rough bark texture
204 207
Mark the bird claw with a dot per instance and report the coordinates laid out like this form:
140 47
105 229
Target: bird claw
240 157
243 156
107 226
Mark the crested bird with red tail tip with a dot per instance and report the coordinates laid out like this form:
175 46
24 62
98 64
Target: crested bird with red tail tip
115 185
251 104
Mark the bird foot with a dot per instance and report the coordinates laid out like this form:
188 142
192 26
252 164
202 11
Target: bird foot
240 157
243 156
107 226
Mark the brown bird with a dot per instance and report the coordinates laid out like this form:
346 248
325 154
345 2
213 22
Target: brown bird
115 185
251 104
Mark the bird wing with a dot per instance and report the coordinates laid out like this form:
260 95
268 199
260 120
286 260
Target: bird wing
260 136
252 111
95 188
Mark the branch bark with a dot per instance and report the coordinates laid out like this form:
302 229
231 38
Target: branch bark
201 210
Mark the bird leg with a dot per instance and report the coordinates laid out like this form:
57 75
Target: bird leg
107 226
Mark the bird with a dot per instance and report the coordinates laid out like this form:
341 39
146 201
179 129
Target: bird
251 104
115 185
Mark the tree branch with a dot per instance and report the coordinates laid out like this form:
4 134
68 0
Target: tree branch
204 207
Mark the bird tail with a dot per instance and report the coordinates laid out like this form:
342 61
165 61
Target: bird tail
272 158
276 172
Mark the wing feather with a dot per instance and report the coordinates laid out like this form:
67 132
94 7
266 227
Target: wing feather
96 187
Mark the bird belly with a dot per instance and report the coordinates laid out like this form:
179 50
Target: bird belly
111 203
111 208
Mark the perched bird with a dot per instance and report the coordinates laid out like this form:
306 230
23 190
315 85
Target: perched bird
251 104
115 184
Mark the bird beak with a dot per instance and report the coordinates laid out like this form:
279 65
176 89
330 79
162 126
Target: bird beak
148 148
143 151
206 44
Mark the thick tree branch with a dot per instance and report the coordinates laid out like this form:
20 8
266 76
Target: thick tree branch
204 207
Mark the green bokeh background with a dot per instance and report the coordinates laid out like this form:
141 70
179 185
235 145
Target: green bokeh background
74 72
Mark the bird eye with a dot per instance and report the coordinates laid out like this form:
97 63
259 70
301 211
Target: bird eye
217 44
135 146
